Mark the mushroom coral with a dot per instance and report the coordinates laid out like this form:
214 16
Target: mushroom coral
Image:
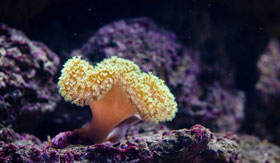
117 92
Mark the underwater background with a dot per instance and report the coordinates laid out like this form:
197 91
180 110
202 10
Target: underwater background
220 59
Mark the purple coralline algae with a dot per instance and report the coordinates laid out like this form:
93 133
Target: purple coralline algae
265 112
144 142
27 70
159 51
223 147
151 143
269 70
16 147
216 108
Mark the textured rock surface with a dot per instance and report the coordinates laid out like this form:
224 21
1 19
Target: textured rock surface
264 114
144 142
223 147
269 70
255 150
27 70
216 108
157 50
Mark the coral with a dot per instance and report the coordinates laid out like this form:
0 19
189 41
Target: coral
81 83
27 70
115 89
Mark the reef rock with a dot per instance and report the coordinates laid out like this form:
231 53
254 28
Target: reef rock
27 70
159 51
264 113
144 142
255 150
215 107
269 70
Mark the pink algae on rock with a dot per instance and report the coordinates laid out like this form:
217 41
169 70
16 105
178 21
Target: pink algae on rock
27 70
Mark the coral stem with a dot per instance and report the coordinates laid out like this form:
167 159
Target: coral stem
107 113
120 130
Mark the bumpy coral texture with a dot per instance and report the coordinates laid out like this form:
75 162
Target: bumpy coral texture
27 70
81 83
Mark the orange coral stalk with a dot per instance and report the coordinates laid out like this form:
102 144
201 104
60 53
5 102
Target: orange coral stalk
107 113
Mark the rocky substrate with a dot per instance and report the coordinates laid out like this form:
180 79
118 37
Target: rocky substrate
144 142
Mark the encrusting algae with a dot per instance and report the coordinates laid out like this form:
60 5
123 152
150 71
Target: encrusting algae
116 90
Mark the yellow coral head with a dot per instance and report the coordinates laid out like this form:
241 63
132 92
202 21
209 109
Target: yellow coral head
81 83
